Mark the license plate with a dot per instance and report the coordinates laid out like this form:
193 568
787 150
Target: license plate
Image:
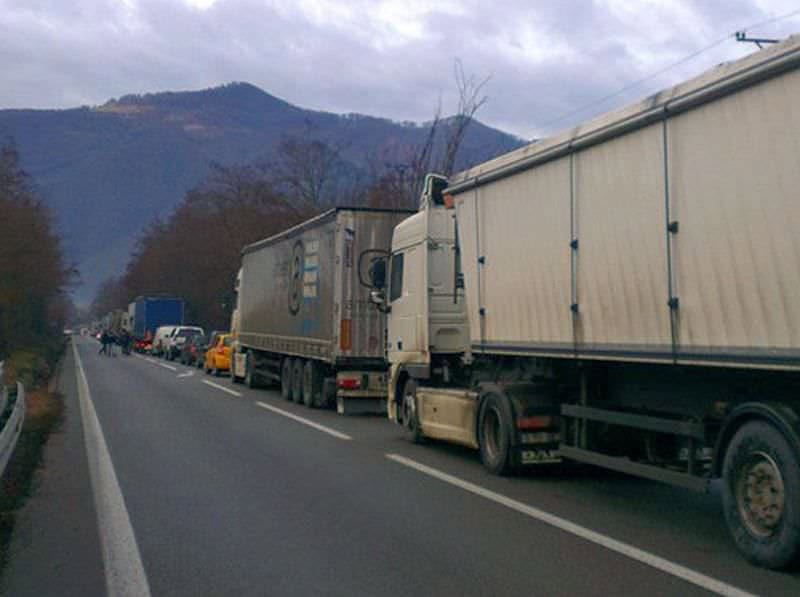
539 456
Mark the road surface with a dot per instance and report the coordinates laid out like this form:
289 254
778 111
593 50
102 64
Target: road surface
202 487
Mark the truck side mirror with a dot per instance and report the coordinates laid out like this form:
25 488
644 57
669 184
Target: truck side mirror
377 274
377 297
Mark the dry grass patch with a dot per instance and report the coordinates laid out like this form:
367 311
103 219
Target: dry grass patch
44 412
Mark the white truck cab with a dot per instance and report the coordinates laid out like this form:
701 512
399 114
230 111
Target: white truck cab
427 323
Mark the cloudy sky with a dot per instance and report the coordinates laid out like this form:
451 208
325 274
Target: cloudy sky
393 58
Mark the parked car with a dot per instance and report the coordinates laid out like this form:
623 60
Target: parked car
218 355
211 340
193 350
178 338
160 339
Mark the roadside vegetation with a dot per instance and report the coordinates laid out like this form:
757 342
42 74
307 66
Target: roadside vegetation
34 307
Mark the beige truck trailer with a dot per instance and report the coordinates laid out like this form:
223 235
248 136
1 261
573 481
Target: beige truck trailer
625 294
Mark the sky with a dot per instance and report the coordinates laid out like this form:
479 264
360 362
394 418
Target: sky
548 62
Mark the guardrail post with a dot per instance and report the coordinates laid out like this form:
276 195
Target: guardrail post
10 432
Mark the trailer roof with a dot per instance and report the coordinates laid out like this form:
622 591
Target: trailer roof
325 215
721 80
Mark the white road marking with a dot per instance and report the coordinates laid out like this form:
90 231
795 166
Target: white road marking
170 367
122 561
187 374
304 421
696 578
223 388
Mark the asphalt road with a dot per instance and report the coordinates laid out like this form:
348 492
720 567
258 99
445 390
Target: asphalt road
222 492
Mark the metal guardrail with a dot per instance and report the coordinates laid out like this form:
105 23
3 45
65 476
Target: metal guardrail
13 423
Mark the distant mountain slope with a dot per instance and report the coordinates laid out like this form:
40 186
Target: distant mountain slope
109 170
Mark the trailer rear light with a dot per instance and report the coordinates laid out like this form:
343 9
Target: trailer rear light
348 383
449 202
538 422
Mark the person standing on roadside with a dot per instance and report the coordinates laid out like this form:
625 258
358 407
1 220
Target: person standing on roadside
103 343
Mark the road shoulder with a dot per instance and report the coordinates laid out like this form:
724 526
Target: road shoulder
55 547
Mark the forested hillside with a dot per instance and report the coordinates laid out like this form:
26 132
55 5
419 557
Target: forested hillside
108 171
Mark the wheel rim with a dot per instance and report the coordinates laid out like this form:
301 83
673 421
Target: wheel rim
491 433
409 411
308 391
761 495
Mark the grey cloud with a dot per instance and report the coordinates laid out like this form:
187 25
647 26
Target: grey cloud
546 58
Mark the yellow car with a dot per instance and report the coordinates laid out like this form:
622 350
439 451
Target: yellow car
218 355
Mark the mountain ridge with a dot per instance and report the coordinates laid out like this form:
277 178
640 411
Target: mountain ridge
109 170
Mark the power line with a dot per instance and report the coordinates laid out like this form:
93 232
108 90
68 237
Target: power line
667 68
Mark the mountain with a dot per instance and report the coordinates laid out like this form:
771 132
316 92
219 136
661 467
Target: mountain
109 170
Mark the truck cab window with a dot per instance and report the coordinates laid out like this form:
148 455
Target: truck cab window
396 287
438 185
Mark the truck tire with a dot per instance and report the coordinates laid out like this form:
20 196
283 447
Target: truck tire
250 375
297 380
312 384
234 378
495 426
409 413
761 485
286 379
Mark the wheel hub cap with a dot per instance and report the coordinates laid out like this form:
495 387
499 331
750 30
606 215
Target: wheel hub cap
761 495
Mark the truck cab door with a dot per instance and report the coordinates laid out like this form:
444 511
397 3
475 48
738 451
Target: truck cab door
404 338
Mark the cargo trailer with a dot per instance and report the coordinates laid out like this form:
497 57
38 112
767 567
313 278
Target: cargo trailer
625 294
303 317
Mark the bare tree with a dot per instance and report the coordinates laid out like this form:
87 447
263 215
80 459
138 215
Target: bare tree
470 100
307 167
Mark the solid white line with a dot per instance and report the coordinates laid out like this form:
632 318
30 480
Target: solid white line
696 578
304 421
223 388
170 367
122 562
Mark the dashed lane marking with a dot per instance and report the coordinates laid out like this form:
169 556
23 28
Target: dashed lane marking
649 559
170 367
222 388
122 562
304 421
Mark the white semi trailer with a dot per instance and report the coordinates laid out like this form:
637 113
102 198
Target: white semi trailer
626 294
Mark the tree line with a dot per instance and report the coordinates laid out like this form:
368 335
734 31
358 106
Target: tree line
34 277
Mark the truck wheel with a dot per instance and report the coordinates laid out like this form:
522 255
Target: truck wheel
761 485
297 380
409 414
286 379
312 384
250 375
495 425
234 378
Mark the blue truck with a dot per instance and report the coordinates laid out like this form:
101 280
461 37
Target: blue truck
150 312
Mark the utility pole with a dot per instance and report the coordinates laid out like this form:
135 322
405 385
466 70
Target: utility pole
742 36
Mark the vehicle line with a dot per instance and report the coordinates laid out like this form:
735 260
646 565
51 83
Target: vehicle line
122 562
304 421
696 578
219 387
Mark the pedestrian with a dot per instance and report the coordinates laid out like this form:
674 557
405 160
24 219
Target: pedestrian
112 339
103 343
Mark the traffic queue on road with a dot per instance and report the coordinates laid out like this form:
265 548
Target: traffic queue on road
622 295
